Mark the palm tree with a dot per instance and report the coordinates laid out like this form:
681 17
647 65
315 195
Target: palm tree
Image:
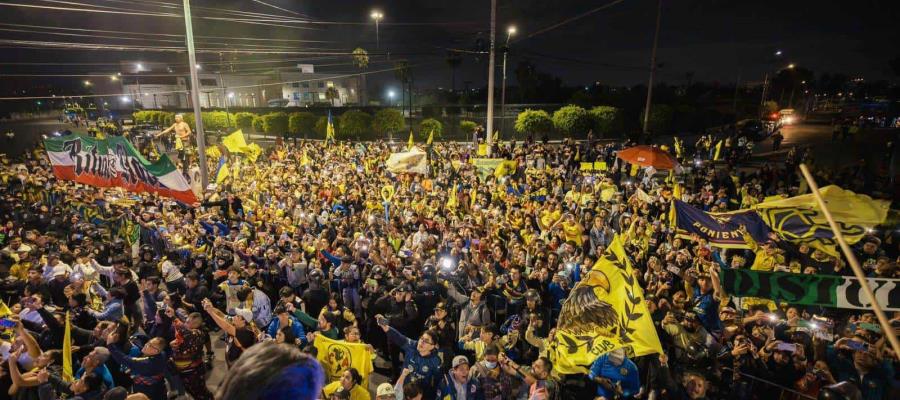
331 93
361 60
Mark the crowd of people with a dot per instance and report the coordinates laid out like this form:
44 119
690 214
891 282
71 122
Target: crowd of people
454 279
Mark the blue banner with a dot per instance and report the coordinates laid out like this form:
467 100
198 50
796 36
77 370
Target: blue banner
719 229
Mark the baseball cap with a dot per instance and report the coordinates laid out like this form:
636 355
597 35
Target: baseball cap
385 389
459 360
59 270
244 313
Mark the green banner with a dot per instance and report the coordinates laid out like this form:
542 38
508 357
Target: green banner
811 290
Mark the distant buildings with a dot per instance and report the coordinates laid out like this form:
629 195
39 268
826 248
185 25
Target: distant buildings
149 85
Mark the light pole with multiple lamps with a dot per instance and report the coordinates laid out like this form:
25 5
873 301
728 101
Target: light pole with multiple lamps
509 32
377 16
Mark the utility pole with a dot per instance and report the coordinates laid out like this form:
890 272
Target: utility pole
765 90
195 94
490 89
652 67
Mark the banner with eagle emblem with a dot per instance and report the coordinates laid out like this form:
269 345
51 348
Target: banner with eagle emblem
604 311
336 356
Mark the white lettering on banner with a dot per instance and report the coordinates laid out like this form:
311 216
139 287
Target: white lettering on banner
850 294
108 166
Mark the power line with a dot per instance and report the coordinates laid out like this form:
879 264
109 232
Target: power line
568 20
166 34
276 7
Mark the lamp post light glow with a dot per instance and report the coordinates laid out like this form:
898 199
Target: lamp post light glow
87 83
377 16
511 30
791 66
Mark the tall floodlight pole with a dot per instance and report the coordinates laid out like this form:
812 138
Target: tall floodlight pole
490 89
195 94
652 67
509 32
377 16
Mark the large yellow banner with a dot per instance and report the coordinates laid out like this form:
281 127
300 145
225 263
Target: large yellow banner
604 311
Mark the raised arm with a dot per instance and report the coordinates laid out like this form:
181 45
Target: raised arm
218 318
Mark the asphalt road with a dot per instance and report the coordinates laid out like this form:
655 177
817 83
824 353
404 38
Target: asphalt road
28 133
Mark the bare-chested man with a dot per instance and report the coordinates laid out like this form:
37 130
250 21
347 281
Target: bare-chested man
182 139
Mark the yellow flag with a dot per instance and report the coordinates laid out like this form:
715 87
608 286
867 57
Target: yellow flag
604 311
4 310
430 138
634 169
482 149
578 153
800 220
410 143
452 200
474 195
223 172
587 166
337 356
67 351
718 151
329 129
235 142
600 165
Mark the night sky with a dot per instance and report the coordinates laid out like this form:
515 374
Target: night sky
714 40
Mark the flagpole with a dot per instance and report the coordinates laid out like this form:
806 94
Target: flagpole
886 328
195 94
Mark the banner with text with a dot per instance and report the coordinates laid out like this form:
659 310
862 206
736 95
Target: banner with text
114 162
719 229
812 290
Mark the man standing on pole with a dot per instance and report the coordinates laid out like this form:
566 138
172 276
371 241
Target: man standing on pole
182 140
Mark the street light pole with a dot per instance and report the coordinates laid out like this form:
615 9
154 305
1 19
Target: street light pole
377 16
195 94
652 67
509 32
490 93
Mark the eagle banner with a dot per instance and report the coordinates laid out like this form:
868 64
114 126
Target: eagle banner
719 229
799 220
812 290
114 162
336 356
604 311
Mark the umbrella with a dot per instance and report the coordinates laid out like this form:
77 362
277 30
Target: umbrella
648 156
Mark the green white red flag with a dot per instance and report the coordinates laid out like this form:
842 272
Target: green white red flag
114 162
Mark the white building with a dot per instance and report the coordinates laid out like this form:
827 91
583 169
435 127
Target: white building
155 86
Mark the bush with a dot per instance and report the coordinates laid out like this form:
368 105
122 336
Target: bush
275 123
301 123
428 125
607 121
387 121
354 125
215 121
467 127
533 122
244 120
572 121
258 123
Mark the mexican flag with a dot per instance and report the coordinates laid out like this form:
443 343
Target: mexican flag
114 162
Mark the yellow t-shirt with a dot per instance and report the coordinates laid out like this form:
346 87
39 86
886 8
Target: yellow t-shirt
572 232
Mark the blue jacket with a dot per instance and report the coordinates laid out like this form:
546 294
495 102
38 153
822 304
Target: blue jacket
296 326
626 374
448 389
427 369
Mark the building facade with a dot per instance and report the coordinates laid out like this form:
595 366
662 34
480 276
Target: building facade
144 85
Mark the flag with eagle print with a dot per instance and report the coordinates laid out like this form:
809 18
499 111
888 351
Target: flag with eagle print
114 162
604 311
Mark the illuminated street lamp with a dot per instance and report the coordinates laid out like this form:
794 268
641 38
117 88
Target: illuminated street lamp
377 16
511 30
87 83
791 66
